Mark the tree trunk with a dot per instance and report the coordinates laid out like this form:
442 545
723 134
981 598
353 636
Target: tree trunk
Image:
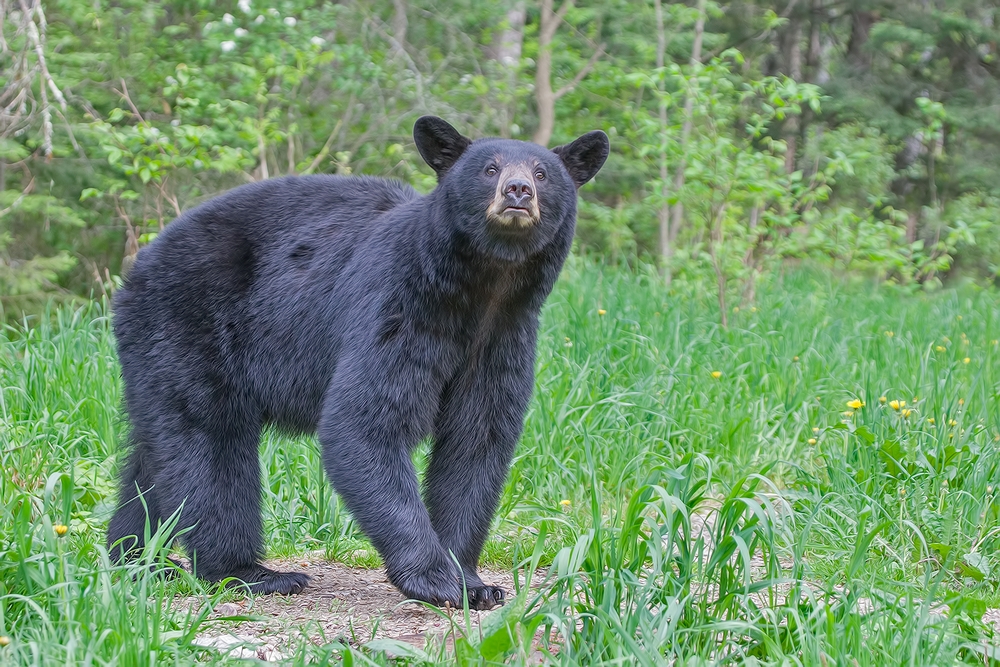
858 55
508 54
793 63
512 37
666 248
678 210
545 98
399 25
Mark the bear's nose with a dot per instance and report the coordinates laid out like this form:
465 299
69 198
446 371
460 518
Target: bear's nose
519 190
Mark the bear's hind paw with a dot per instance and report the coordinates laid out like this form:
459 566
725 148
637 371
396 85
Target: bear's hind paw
264 581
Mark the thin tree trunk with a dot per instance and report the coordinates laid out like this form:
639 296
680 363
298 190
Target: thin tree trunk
678 210
399 25
509 56
666 248
793 61
545 98
858 55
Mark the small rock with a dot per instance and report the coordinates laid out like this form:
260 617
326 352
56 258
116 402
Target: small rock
227 609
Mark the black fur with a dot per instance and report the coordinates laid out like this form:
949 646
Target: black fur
359 309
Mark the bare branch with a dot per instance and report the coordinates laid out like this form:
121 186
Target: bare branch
24 193
584 71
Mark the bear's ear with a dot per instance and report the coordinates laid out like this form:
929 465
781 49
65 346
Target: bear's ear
440 144
584 157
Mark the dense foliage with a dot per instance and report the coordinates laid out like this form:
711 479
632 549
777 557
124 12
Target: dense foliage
858 134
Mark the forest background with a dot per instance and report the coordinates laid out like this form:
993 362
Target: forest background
745 135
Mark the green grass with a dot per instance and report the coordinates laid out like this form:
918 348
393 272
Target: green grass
684 518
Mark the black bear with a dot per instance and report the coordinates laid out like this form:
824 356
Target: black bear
358 309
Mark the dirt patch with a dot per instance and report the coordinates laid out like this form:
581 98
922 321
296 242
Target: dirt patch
344 604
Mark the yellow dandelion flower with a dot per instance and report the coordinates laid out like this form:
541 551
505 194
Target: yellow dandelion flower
966 360
716 374
902 491
601 311
795 358
856 404
897 405
812 441
906 413
60 529
881 399
4 640
565 502
952 422
753 309
961 401
930 420
815 429
889 334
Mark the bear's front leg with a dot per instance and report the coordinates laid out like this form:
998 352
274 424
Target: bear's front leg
380 404
476 431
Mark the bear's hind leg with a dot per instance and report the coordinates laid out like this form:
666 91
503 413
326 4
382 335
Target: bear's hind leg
136 512
215 478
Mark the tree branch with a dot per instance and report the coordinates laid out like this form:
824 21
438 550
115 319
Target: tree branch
584 71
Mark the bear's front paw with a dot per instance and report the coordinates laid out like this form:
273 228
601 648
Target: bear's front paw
437 585
486 597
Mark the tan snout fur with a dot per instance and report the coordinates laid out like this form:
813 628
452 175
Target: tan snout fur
496 212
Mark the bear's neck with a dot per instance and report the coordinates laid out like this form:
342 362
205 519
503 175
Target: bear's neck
450 259
455 273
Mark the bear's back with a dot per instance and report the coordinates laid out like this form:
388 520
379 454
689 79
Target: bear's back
215 251
189 290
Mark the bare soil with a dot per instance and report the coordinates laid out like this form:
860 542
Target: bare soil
349 605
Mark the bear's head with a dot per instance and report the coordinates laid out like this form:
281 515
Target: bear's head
509 198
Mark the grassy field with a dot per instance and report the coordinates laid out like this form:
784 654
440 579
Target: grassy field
814 485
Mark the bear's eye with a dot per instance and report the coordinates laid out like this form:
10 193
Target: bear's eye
492 170
539 175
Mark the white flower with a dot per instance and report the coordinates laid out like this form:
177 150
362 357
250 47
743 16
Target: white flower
208 27
317 41
244 6
290 21
273 12
176 122
259 19
227 18
228 46
240 32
